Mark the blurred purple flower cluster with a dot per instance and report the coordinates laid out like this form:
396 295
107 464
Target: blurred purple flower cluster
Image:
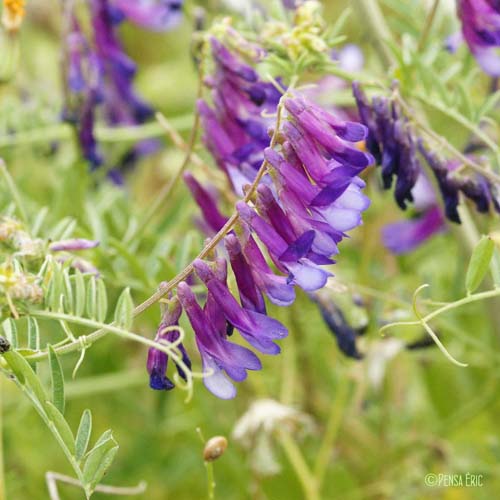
100 75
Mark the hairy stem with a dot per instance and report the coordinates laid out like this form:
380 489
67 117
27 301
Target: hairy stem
332 428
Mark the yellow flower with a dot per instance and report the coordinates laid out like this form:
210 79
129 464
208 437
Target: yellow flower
13 14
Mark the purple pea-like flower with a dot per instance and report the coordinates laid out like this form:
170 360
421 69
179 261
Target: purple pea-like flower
71 245
158 360
212 217
235 130
404 236
290 258
250 295
218 355
481 31
257 329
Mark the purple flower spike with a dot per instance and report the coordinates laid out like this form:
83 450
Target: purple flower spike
404 236
158 360
72 245
258 330
481 30
218 355
100 74
235 130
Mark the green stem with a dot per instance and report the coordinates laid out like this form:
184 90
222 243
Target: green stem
297 461
448 307
64 132
461 120
373 18
289 372
9 181
331 432
60 441
104 383
428 25
210 480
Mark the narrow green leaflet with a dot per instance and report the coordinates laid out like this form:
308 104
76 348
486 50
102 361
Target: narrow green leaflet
104 465
79 293
124 310
92 298
101 301
68 293
56 287
96 458
57 378
83 434
33 334
61 426
479 263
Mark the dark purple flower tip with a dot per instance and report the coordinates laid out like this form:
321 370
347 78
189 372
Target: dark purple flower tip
354 157
185 294
352 131
331 192
232 245
299 248
159 382
338 325
73 245
266 195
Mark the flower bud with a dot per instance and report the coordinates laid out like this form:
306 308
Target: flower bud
214 448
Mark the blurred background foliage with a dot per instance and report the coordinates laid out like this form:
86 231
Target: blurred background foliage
424 415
